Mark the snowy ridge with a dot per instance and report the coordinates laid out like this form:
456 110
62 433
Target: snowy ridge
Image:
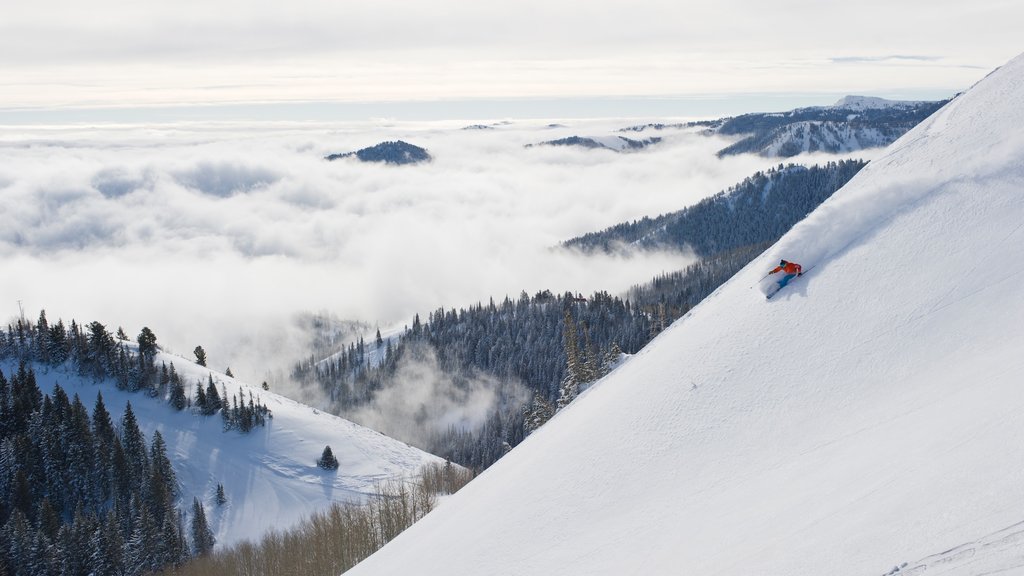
854 123
873 102
269 475
866 415
813 136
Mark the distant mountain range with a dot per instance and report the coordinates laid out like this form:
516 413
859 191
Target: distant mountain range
853 123
614 143
391 152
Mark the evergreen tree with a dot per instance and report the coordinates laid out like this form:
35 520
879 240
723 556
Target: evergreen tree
49 521
147 345
107 547
42 345
21 498
177 399
202 536
200 398
200 355
143 543
165 380
575 372
136 454
213 400
537 414
102 432
162 483
99 351
327 461
120 472
58 344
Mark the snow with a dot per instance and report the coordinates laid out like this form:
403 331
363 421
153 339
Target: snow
811 135
869 415
269 475
617 143
871 103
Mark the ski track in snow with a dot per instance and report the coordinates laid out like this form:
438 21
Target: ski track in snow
1001 552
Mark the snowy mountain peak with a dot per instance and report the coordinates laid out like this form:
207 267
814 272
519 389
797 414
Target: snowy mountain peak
867 416
871 103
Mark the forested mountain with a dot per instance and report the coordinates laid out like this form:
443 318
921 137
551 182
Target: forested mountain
759 209
851 124
391 152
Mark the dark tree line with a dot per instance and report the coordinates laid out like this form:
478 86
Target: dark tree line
94 353
91 351
80 495
760 209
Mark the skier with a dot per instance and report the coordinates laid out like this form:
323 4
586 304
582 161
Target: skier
791 270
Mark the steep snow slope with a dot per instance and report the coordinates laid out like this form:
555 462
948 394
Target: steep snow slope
869 415
269 475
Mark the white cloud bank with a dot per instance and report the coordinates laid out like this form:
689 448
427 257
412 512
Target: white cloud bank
219 235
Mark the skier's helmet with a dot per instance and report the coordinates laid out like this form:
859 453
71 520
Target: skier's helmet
782 262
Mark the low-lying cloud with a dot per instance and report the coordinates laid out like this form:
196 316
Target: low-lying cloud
422 402
221 235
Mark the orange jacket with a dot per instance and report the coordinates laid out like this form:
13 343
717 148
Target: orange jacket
789 268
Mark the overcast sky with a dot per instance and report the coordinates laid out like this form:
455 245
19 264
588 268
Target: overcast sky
66 54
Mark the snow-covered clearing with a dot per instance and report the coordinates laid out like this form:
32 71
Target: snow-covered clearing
269 475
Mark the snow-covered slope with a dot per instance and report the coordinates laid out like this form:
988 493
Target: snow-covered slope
825 136
270 476
869 415
853 123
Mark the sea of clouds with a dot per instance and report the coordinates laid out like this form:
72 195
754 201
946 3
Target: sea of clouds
222 235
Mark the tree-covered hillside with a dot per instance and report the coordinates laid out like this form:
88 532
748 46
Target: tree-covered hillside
79 494
761 208
519 341
391 152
